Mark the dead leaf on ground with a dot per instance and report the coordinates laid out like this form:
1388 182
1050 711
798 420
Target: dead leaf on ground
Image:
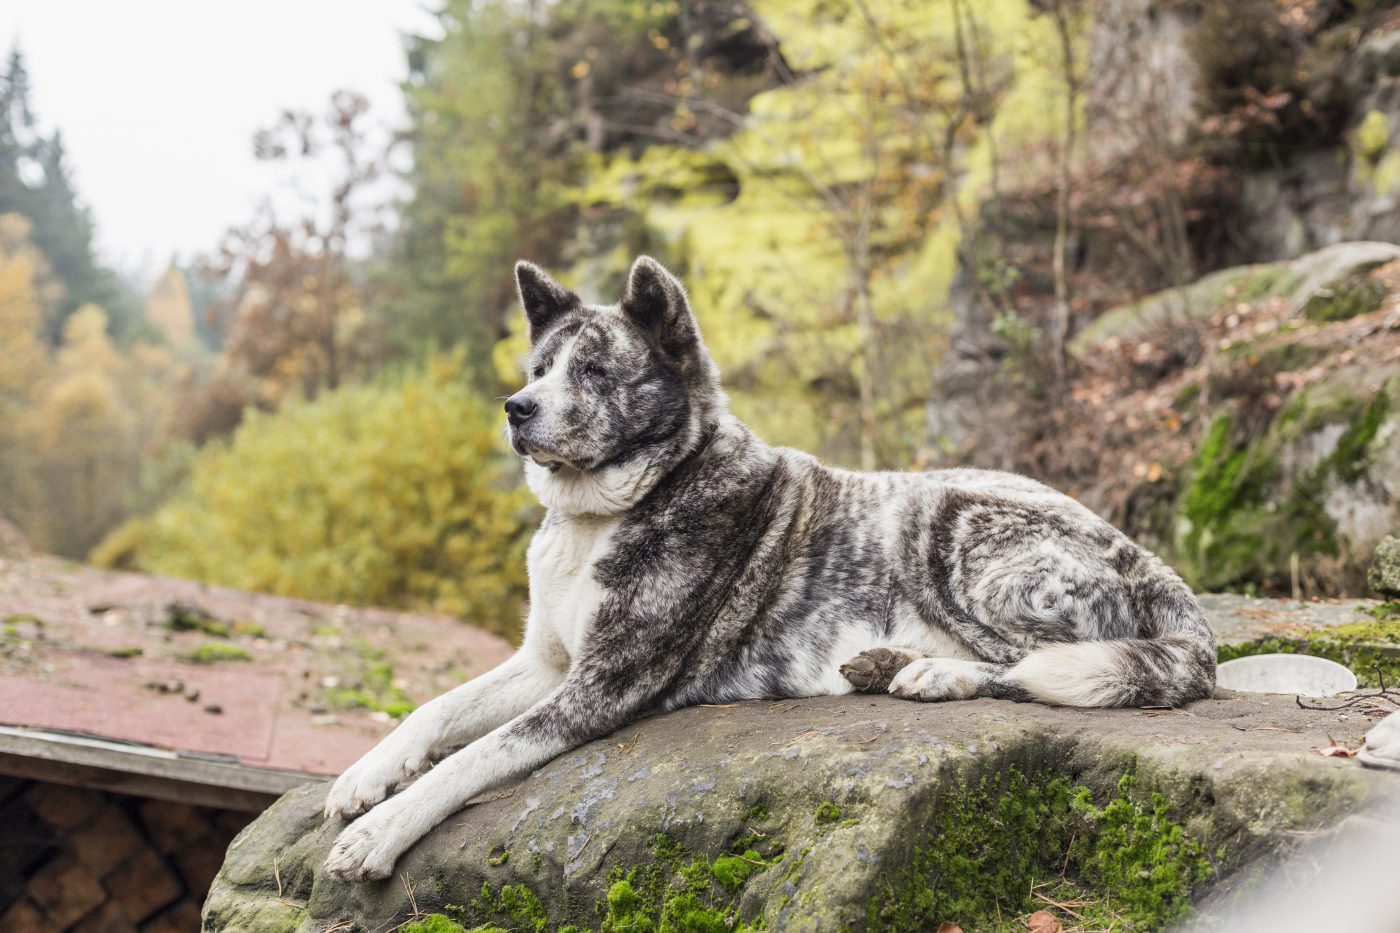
1042 921
1334 750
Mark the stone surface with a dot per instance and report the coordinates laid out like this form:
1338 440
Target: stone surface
1236 619
850 785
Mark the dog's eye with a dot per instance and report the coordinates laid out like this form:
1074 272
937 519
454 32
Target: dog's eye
594 371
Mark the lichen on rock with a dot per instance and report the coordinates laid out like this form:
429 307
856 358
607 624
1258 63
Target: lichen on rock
1383 575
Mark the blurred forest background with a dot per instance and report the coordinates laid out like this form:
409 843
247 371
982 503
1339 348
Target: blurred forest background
1138 249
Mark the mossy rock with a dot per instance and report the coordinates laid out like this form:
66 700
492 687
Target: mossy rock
1199 299
1346 299
1313 489
1383 575
1327 285
835 813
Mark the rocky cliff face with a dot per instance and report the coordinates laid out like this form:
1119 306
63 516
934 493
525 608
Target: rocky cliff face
1332 194
852 813
1240 170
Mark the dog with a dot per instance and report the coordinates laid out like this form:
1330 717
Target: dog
682 560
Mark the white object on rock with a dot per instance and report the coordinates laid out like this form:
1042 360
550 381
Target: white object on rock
1382 748
1285 673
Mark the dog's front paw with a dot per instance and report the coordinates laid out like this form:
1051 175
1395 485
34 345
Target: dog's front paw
365 851
938 679
371 779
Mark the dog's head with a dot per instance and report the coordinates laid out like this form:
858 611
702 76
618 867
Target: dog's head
610 386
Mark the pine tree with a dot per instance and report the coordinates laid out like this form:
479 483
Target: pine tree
35 181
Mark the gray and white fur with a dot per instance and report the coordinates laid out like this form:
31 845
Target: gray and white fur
682 560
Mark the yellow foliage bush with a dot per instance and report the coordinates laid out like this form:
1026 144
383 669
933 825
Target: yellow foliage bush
392 493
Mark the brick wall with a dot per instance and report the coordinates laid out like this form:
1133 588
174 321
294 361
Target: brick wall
75 859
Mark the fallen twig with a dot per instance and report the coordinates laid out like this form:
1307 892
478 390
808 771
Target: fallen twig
1384 693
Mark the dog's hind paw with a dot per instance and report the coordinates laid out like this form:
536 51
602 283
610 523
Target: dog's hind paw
872 671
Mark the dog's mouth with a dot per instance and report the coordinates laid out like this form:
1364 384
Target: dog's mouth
542 456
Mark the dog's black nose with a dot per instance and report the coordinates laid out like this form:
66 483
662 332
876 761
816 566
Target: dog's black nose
519 408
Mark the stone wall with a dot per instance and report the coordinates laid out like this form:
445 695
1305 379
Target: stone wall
77 859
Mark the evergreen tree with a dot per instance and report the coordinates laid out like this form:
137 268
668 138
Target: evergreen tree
35 181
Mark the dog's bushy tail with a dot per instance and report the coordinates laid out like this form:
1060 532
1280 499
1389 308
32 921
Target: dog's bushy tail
1172 662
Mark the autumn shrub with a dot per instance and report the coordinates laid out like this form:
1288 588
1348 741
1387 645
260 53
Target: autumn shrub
393 493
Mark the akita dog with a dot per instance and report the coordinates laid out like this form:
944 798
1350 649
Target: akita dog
682 560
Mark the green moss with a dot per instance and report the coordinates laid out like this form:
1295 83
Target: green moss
731 871
756 813
1387 611
128 652
1356 296
215 652
686 913
188 618
625 911
1228 482
675 893
1386 177
1241 516
1288 356
1371 650
373 688
827 812
1371 136
1351 456
666 849
519 907
1224 478
1141 858
1268 281
992 846
438 923
1187 396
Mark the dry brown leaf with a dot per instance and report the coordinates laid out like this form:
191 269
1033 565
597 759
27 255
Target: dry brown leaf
1042 921
1337 751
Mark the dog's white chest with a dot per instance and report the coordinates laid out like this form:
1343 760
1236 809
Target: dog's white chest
564 592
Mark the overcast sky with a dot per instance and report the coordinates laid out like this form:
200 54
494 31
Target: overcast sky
158 100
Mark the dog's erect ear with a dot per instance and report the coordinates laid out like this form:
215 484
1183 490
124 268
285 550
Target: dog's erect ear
544 299
656 301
